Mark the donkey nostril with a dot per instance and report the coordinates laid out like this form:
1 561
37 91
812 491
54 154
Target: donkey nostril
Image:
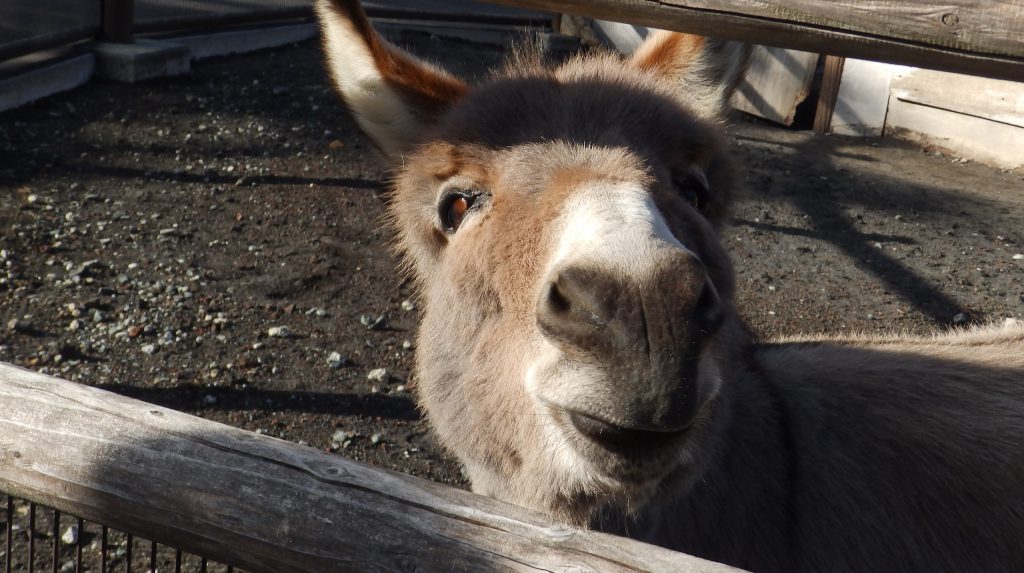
575 308
709 313
556 300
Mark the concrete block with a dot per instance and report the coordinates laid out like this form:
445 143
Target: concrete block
28 86
242 41
141 60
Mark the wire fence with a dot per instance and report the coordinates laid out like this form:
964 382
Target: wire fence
34 25
30 26
38 538
165 15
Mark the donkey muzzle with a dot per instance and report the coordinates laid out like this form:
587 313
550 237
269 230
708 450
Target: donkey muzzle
644 334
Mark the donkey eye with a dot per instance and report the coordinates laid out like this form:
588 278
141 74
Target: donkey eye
453 208
693 187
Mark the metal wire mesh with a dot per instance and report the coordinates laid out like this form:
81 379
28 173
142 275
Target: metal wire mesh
153 15
170 11
38 538
29 25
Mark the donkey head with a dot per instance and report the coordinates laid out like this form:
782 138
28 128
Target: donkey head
560 224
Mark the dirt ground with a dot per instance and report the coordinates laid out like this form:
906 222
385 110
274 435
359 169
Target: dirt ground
151 236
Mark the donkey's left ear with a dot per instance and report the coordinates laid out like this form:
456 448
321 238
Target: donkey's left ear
703 72
394 96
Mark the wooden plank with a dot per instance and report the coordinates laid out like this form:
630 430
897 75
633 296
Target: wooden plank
829 92
985 98
863 98
777 81
270 506
978 38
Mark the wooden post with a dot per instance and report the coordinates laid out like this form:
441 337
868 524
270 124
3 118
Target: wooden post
118 20
270 506
966 36
828 94
556 22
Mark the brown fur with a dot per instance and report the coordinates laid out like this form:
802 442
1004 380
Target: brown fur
580 353
429 88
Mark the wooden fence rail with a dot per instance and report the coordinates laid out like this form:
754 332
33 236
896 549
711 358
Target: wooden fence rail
967 36
266 505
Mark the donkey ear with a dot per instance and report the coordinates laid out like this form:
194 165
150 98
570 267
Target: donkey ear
392 94
704 72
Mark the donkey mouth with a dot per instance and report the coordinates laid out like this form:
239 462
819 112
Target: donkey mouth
620 438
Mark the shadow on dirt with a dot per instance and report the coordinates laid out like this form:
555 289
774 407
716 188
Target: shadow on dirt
247 398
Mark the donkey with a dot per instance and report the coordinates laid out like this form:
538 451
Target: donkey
580 353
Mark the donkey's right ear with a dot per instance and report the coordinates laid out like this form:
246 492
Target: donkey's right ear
393 95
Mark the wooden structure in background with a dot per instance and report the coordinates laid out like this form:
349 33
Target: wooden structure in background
979 38
270 506
829 92
777 81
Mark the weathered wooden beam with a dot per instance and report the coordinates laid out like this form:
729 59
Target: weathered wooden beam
967 36
829 93
118 18
267 505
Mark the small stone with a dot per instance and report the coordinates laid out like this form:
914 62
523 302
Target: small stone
70 536
372 323
209 399
376 438
960 318
408 305
15 325
86 269
74 325
336 360
341 436
400 389
279 332
336 144
148 349
407 345
377 375
1018 257
133 331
